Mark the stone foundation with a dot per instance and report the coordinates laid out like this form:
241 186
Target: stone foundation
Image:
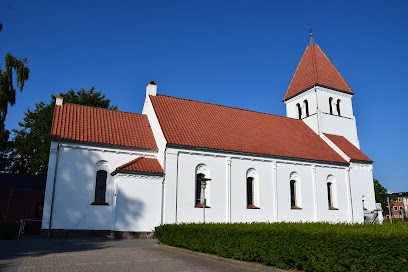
61 233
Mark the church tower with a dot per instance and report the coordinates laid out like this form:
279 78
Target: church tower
319 95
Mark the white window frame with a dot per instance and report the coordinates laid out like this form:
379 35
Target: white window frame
298 196
202 169
331 179
252 173
395 208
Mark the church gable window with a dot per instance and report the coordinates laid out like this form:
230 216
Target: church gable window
299 110
294 191
251 189
331 105
338 107
202 173
100 184
306 107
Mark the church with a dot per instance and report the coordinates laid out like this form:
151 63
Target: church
190 161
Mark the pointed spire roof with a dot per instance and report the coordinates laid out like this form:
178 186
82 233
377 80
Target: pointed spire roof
315 68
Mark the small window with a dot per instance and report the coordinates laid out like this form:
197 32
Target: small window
401 208
250 191
306 107
201 196
330 194
330 105
400 199
199 199
396 216
338 107
100 187
395 208
293 202
299 110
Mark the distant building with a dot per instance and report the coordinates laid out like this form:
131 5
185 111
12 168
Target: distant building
21 197
399 207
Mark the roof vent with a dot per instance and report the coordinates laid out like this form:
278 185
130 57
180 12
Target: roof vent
151 88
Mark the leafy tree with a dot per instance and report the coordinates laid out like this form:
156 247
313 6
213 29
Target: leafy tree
32 141
381 195
8 97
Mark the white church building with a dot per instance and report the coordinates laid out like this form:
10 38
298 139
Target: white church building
127 172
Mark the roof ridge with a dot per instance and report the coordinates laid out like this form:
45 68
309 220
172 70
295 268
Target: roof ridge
99 108
228 107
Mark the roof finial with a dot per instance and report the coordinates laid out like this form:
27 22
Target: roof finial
311 35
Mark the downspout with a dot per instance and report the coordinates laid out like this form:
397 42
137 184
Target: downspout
177 173
53 190
351 196
164 178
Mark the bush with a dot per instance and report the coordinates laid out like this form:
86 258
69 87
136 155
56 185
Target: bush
8 231
302 246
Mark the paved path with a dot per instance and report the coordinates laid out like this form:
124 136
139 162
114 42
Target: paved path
100 254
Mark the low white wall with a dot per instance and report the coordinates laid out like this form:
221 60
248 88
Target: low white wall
74 186
138 202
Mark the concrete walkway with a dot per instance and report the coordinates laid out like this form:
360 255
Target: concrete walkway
101 254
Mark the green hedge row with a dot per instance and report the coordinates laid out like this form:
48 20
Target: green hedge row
302 246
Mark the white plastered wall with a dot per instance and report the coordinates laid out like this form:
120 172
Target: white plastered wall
227 189
320 119
74 185
138 202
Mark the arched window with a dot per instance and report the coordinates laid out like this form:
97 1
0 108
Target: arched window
294 191
101 183
363 199
201 173
100 186
338 107
251 189
331 196
306 107
299 110
331 105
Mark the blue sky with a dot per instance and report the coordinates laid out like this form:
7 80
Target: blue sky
236 53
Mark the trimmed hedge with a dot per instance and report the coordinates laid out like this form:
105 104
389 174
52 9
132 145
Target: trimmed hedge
302 246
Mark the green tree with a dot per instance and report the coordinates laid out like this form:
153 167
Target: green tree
381 195
8 97
32 141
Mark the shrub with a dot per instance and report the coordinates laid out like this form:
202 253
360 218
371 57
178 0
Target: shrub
302 246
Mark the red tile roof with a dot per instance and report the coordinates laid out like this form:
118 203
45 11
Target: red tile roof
97 125
348 148
198 124
315 68
142 164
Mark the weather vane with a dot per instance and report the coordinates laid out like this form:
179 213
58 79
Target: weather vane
311 35
310 31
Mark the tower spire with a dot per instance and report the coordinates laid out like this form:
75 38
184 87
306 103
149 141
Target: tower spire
311 36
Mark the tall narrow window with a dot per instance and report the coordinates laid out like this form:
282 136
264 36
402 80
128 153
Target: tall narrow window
364 203
295 197
100 186
299 110
338 107
330 194
331 105
293 202
199 198
250 191
202 172
306 108
101 183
